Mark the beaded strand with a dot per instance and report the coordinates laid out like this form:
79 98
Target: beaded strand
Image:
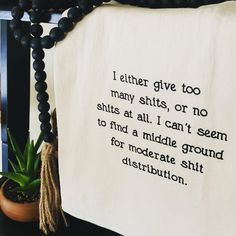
38 12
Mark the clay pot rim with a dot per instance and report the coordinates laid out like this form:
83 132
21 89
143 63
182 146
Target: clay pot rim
10 201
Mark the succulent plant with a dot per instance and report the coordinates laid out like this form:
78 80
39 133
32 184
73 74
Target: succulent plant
26 168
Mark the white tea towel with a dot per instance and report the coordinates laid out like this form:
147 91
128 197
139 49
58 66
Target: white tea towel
147 120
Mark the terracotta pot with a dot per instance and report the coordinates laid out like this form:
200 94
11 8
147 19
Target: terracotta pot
22 212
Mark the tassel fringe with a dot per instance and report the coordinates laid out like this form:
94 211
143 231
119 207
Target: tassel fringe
50 209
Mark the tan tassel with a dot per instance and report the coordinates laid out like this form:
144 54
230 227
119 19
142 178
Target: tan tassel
50 209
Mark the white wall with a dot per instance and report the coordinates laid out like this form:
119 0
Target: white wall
34 122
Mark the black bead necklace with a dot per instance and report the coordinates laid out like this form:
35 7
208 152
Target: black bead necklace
38 12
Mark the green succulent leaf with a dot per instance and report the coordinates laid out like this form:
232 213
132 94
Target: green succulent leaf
19 178
27 165
26 149
33 186
38 143
30 159
14 166
37 162
16 150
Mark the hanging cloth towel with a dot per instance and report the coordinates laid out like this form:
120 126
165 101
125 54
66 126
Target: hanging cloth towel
147 120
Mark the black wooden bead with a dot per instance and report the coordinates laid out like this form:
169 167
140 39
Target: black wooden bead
17 12
205 2
18 34
97 2
154 3
39 4
143 3
55 4
36 30
129 2
180 3
25 41
134 2
47 42
123 1
75 14
46 16
44 117
48 137
36 16
65 24
56 34
45 127
15 24
43 107
194 3
25 4
35 43
38 65
165 3
40 76
38 54
42 97
85 5
40 87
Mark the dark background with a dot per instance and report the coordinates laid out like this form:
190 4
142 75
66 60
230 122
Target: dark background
77 227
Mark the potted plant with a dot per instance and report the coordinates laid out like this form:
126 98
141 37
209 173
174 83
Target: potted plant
19 195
